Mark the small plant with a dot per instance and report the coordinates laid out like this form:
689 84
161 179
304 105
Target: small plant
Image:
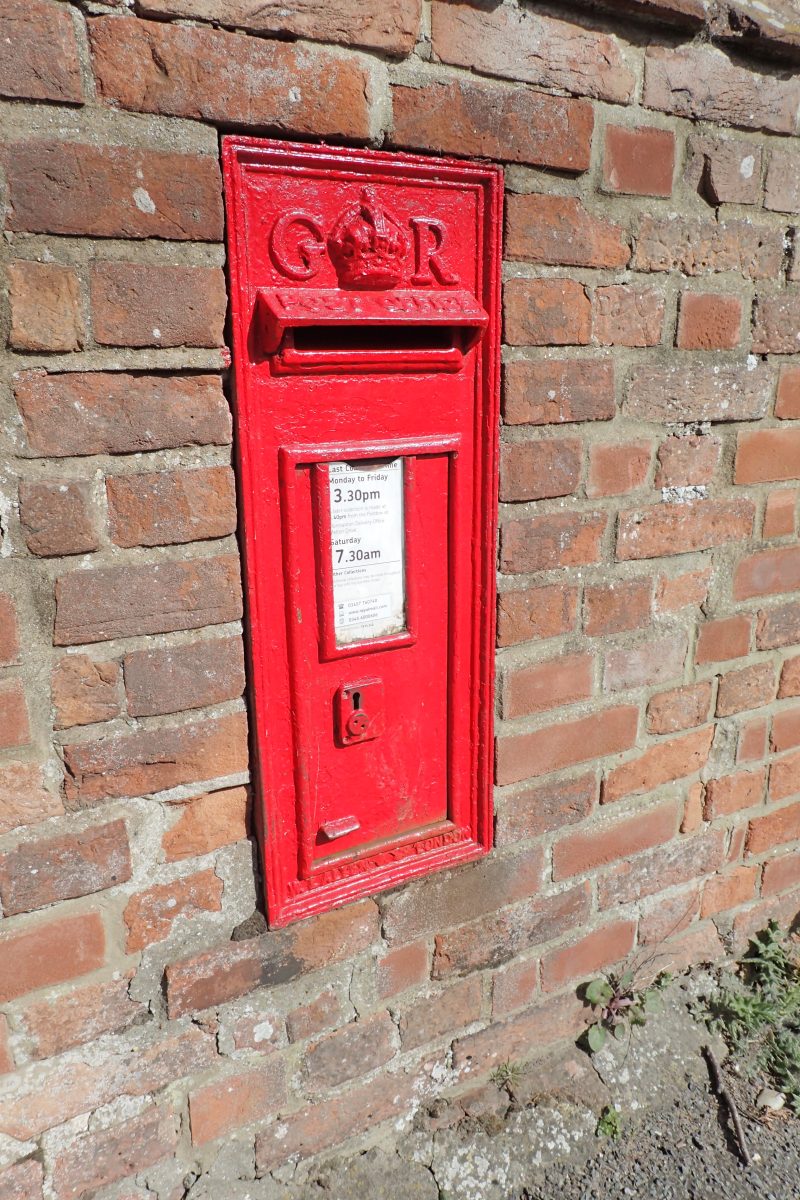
507 1075
609 1123
619 1005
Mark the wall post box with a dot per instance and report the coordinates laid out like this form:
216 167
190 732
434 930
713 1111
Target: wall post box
365 327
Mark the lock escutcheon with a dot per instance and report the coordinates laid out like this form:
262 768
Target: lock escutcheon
357 723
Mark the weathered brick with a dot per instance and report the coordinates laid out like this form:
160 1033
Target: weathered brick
40 873
696 393
585 850
601 948
782 191
686 461
709 321
224 1106
92 1160
732 793
513 987
701 82
402 968
547 685
662 763
39 53
767 573
516 124
50 953
149 915
681 708
541 809
163 507
787 404
23 1181
780 827
554 392
785 733
790 678
498 938
24 800
85 691
778 626
179 677
153 760
45 306
681 861
109 602
718 641
777 319
440 1014
57 518
9 631
560 231
724 171
693 808
546 312
639 162
207 823
680 591
655 661
696 246
617 468
779 875
724 892
677 528
356 1049
522 1036
768 455
138 304
80 1016
539 470
113 191
14 724
547 542
235 968
627 316
616 607
526 755
99 413
779 513
752 741
324 1012
749 688
542 612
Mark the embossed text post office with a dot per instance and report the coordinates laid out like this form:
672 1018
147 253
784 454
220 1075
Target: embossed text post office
365 322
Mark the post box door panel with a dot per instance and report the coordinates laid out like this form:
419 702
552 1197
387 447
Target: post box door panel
364 299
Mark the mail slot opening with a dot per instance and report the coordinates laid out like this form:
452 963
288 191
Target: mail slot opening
381 338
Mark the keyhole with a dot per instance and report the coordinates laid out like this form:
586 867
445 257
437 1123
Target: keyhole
356 701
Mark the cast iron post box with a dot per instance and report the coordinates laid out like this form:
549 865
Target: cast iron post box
365 331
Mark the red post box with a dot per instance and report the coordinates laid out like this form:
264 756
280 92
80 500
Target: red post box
365 328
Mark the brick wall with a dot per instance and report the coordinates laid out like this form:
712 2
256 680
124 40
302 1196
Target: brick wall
648 756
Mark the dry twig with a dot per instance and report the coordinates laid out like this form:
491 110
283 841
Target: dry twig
721 1089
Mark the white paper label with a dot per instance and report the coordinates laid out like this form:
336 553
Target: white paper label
367 549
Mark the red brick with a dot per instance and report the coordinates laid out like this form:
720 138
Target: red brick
110 602
724 892
752 743
685 461
322 1013
526 755
681 861
354 1050
785 730
601 948
654 661
521 44
6 1057
780 874
677 393
540 810
496 939
782 909
558 230
14 724
662 763
666 916
516 124
547 542
57 518
703 83
616 607
538 470
521 1037
182 677
92 1160
787 405
701 246
732 793
99 413
681 708
546 312
224 1106
735 853
39 53
700 944
49 953
9 631
626 316
767 573
23 1181
235 968
547 685
207 823
616 468
782 190
24 800
401 969
749 688
779 513
673 594
790 678
210 75
149 916
709 321
440 1014
542 612
724 171
61 868
777 319
639 161
585 850
45 306
138 304
80 1016
778 626
113 191
153 760
766 455
693 808
164 507
554 392
513 987
777 828
85 691
681 527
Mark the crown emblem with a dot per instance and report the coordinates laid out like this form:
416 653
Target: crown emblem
367 245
